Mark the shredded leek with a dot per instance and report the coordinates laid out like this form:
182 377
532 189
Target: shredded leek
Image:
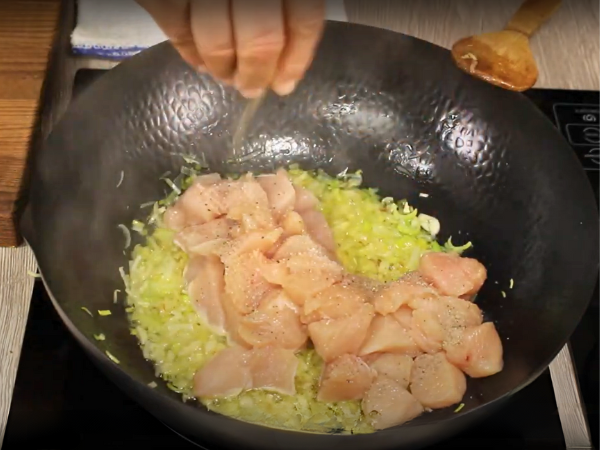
121 179
84 309
112 357
100 337
104 312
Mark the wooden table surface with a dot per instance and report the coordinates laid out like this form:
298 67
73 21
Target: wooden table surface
567 51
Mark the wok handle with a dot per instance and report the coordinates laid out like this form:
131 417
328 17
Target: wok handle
571 409
531 15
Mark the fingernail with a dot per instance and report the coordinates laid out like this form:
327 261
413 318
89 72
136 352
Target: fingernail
252 93
285 88
201 69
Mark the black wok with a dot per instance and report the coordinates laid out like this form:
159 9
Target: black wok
496 170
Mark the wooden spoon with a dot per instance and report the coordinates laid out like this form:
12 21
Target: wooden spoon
504 58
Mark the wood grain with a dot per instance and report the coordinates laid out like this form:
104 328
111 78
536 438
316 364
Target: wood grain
566 48
26 34
15 294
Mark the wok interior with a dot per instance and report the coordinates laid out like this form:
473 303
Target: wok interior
496 172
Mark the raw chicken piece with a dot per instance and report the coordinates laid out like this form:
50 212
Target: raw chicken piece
333 338
236 369
479 351
233 319
451 274
435 382
199 204
273 369
297 245
387 335
292 224
275 323
318 229
309 273
244 283
280 192
305 200
392 296
261 241
387 404
396 367
204 239
427 331
175 217
217 379
404 316
334 302
344 378
248 203
206 290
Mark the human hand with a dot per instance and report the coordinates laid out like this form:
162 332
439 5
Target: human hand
252 44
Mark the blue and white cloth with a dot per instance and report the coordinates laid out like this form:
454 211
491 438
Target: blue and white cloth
117 29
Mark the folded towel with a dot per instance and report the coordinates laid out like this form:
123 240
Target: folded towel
117 29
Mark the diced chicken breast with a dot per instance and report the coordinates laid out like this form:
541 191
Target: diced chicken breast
387 404
280 192
200 238
392 296
175 216
207 180
427 331
276 323
297 245
233 319
305 200
394 366
292 224
248 203
435 382
451 274
387 335
217 379
336 301
200 204
206 291
439 320
244 283
317 228
261 241
404 316
333 338
478 352
273 369
344 378
308 274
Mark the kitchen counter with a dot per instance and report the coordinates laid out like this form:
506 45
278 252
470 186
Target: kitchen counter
566 49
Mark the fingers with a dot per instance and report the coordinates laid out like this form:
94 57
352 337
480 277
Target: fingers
305 20
173 17
213 35
260 38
